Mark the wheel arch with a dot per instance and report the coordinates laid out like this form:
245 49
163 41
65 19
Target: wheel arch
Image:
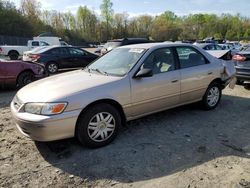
11 51
106 101
219 81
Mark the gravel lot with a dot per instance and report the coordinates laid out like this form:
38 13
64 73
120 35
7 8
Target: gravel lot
183 147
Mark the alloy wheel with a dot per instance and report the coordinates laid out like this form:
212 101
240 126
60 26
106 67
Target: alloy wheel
213 96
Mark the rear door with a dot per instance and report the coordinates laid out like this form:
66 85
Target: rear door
160 91
196 74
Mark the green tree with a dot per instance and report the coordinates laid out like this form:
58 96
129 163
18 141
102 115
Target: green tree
107 15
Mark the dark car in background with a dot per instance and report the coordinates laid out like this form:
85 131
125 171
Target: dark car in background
62 57
111 44
242 65
19 73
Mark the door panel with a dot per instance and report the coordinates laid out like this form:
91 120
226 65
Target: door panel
162 90
196 74
194 82
155 93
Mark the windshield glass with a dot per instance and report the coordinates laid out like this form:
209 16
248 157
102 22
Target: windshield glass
117 62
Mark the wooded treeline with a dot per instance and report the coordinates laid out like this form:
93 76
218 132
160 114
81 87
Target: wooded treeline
30 20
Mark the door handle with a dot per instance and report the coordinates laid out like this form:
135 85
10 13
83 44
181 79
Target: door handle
174 81
209 73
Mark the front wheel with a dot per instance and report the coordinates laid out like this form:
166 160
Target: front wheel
25 78
98 126
212 96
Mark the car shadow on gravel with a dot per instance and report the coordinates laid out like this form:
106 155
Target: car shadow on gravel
159 144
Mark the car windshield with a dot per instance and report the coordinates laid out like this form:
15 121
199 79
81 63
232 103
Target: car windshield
117 62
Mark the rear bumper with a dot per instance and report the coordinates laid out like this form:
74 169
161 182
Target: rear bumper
242 73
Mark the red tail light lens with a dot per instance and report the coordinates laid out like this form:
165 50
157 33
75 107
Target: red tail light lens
34 56
239 57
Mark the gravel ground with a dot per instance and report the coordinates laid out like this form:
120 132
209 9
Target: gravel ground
183 147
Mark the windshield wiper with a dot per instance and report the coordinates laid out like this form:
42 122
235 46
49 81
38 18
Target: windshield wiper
99 71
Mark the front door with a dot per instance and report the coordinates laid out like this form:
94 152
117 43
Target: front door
162 90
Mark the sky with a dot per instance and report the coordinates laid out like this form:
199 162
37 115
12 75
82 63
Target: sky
153 7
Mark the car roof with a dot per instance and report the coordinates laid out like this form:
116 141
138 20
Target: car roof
155 45
51 47
128 39
202 45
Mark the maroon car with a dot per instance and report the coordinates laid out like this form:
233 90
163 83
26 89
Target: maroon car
19 73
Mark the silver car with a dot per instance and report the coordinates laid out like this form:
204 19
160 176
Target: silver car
128 83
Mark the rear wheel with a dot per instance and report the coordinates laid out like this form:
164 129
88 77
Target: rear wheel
25 78
13 55
212 96
52 68
98 126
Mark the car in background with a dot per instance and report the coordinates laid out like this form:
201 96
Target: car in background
112 44
242 65
19 73
127 83
62 57
215 50
26 55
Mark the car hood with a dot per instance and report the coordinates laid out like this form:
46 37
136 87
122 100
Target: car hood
58 87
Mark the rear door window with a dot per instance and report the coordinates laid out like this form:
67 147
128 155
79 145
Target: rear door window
76 52
189 57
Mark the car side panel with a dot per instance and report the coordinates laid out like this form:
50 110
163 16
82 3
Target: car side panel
9 72
195 81
155 93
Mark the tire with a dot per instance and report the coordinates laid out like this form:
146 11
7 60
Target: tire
52 68
13 55
25 78
212 97
240 82
98 125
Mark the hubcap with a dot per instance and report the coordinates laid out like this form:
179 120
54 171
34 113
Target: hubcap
101 127
52 68
27 80
213 96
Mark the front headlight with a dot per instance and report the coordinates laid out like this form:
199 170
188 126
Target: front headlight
45 108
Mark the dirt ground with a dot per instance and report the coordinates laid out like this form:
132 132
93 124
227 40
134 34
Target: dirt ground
182 147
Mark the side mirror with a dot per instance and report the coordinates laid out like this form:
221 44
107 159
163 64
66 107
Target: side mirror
144 73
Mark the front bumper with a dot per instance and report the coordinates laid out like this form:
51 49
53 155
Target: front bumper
45 128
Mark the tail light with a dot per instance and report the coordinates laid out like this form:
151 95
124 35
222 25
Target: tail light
34 56
1 49
239 57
